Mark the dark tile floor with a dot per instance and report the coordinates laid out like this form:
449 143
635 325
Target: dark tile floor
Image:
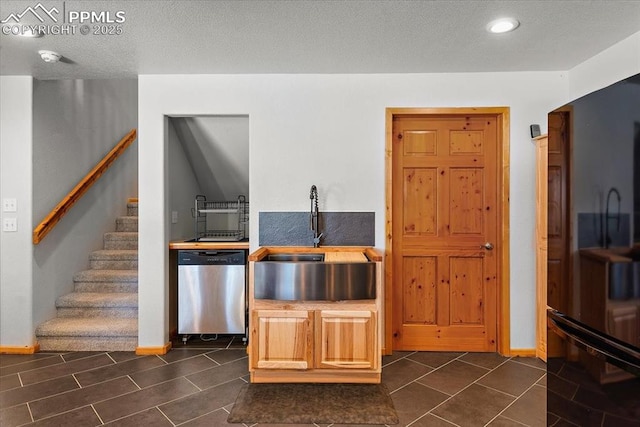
575 398
196 384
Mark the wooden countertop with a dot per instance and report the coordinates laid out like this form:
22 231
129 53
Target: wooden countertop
191 245
332 253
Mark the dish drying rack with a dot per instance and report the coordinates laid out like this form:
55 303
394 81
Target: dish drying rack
206 229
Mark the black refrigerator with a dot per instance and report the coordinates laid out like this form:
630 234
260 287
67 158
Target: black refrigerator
593 360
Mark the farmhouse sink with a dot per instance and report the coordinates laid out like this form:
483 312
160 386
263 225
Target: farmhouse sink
310 277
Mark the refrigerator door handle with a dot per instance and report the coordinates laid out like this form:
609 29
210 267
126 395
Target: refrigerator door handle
604 347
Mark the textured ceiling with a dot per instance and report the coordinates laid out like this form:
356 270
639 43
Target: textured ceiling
208 37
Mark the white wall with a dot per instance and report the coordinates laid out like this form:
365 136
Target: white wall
329 130
16 291
620 61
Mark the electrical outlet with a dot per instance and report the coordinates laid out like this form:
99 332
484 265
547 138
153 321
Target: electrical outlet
10 205
10 224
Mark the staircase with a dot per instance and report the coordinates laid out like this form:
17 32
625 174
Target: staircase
102 312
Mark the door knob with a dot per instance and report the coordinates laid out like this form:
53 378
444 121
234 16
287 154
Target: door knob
488 246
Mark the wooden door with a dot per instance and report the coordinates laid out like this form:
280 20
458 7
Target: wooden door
558 229
283 339
346 339
445 230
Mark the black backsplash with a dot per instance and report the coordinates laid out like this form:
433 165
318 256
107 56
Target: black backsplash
337 228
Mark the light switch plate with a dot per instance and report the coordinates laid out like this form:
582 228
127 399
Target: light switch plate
10 224
174 217
9 205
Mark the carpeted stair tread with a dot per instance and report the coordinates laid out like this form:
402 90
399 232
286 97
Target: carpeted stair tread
121 240
101 287
89 327
95 299
114 259
102 313
127 223
132 209
114 254
121 235
106 276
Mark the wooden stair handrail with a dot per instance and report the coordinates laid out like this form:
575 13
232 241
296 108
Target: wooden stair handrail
78 191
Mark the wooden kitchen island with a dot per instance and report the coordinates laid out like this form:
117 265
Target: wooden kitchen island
316 341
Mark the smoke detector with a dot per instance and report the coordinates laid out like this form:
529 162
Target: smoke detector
49 56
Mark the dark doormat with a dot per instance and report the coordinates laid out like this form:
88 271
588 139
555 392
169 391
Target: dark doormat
313 403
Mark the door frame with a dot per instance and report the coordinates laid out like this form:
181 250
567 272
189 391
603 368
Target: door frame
502 164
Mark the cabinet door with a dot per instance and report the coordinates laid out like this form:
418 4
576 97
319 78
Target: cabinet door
282 339
346 339
623 323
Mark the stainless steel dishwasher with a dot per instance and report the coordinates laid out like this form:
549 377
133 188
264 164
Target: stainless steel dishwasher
212 292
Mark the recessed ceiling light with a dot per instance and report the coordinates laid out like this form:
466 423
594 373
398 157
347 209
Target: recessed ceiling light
503 25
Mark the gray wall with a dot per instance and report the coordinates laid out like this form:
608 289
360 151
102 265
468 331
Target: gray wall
75 124
218 149
183 185
208 155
